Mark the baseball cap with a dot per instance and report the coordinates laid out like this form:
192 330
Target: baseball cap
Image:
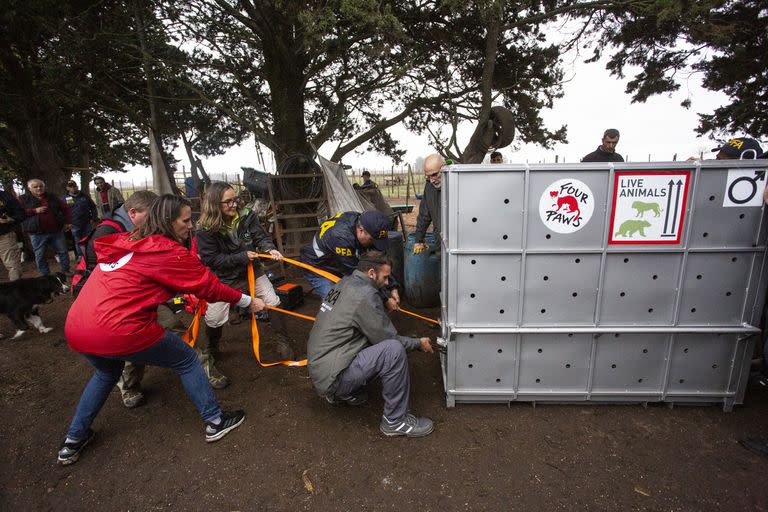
734 148
377 225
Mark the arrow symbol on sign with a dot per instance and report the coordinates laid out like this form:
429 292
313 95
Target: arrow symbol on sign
759 175
669 203
673 227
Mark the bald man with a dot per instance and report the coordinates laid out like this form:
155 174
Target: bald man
429 208
46 218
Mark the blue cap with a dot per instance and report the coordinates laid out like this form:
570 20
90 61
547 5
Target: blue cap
377 225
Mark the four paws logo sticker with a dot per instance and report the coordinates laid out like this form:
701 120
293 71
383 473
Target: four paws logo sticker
566 206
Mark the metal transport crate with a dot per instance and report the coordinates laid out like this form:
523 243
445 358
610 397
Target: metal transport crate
602 282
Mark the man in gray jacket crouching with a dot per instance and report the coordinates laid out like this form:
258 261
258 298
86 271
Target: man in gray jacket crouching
353 341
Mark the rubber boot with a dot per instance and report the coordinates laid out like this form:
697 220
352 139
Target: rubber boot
207 355
282 343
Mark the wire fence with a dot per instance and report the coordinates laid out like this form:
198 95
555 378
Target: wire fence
393 183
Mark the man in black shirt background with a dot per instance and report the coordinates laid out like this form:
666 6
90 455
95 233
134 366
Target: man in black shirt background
606 152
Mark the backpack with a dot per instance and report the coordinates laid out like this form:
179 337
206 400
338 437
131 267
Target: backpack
82 271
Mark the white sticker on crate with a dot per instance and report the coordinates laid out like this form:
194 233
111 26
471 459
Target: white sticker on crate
744 187
566 205
648 207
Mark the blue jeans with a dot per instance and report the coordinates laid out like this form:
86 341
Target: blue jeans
169 352
40 242
77 234
320 285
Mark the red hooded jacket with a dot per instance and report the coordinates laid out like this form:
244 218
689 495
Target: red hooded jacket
116 311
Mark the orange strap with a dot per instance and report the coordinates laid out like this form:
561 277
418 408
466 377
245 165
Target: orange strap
335 279
255 329
191 335
430 320
305 317
316 270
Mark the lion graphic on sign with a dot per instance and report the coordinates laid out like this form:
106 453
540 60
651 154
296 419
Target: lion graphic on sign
642 207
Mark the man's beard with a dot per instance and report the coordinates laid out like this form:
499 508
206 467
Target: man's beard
437 186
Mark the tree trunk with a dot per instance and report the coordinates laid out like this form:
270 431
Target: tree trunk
478 144
42 159
193 163
154 120
284 72
85 164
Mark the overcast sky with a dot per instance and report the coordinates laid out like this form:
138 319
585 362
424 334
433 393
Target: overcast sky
593 101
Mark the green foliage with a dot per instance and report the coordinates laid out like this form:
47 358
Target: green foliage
725 41
344 71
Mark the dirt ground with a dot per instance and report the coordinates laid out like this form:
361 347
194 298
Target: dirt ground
296 452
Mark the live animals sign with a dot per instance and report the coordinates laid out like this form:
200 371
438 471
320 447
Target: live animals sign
648 207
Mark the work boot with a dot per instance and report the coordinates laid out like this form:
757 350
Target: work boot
409 426
132 398
217 379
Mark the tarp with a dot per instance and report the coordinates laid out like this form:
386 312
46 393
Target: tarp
341 196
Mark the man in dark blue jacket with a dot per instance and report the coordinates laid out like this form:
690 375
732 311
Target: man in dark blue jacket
84 213
339 244
11 215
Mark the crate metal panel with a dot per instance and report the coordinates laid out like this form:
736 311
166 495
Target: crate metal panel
640 289
554 362
485 361
491 210
714 288
701 363
630 362
683 330
715 226
560 289
489 289
590 235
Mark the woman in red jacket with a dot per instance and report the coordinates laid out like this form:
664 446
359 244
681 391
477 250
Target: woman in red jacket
114 318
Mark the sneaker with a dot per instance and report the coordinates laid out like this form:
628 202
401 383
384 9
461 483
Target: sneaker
230 420
355 400
409 426
758 445
70 452
132 399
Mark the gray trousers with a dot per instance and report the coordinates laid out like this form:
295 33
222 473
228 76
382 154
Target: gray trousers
130 380
388 361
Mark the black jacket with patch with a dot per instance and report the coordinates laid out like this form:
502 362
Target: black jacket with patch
225 254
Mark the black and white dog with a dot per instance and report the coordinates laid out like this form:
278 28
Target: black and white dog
20 300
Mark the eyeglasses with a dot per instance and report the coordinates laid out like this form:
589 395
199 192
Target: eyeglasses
230 202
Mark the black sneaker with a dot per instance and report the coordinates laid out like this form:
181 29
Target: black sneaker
70 452
409 426
360 397
230 420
